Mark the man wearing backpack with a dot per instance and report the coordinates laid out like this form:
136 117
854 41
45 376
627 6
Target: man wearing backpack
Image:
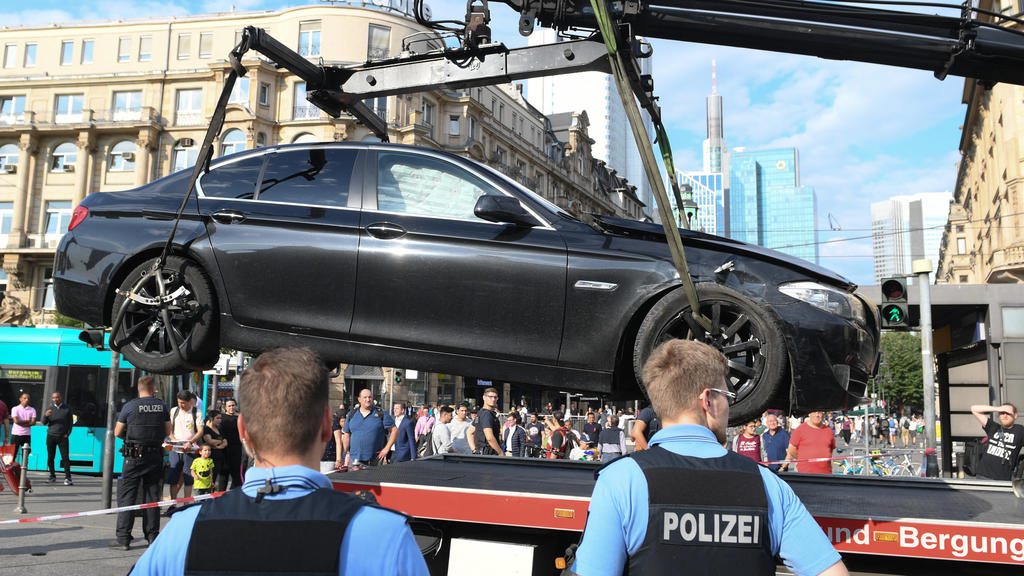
186 429
905 430
562 440
369 432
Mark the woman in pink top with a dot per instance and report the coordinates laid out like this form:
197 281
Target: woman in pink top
23 417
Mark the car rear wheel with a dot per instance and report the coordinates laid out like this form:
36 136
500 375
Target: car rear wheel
746 334
147 340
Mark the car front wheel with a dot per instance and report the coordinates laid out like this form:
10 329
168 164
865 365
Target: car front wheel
746 334
148 338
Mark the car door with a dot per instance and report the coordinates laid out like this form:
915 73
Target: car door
285 232
433 276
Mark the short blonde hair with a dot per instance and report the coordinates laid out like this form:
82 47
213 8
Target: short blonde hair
678 371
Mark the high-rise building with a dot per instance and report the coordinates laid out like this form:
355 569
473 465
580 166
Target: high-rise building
708 194
766 205
907 228
715 158
595 93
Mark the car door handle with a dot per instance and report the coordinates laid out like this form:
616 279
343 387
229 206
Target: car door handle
385 230
228 217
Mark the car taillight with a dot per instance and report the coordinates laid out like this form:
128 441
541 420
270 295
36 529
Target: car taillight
77 216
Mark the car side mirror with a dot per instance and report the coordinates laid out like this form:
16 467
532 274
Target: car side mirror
503 209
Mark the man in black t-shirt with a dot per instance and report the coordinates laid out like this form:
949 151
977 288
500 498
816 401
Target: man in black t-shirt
646 425
1003 445
534 436
484 435
591 427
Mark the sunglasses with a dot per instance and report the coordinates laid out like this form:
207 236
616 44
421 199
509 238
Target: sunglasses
729 395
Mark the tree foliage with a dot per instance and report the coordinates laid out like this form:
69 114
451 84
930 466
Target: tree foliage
902 352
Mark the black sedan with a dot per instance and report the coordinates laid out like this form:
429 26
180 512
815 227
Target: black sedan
388 255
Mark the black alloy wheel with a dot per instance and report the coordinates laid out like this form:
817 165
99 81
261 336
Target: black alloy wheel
745 333
148 342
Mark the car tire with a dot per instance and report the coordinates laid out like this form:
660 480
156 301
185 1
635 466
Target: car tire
144 337
748 335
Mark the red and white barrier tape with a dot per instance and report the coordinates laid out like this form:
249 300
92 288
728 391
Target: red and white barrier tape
160 504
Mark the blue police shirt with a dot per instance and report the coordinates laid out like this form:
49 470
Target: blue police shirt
617 520
376 541
368 437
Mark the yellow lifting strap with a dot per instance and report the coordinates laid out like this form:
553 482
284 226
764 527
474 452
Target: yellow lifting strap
622 83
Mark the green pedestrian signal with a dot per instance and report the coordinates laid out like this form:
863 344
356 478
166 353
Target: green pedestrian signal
894 303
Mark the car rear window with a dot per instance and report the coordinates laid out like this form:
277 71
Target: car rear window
317 176
234 180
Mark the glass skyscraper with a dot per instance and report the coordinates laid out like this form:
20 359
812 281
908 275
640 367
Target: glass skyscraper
907 228
767 206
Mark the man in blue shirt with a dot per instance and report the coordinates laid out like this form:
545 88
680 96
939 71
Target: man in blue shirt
286 517
775 441
688 504
369 432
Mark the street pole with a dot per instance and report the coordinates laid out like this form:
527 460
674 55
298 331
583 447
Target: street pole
108 444
922 268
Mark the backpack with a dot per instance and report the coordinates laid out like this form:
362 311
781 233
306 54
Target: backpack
425 445
194 411
906 424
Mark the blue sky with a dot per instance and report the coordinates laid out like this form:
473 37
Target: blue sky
864 132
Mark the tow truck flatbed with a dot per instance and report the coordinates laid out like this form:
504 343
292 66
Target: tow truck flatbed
911 518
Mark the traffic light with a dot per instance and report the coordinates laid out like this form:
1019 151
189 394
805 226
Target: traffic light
93 338
398 376
894 303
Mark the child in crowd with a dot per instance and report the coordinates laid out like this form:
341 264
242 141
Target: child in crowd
202 471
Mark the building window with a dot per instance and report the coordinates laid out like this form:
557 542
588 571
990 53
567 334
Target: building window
301 108
68 108
309 38
124 49
264 94
127 106
12 109
428 113
501 113
188 108
64 158
233 141
184 46
961 246
8 157
453 125
472 126
58 215
183 157
205 44
145 48
122 157
240 92
10 55
67 52
261 139
48 302
87 47
960 228
30 55
378 42
6 217
520 126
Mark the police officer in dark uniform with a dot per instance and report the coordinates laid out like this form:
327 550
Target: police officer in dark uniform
143 424
686 504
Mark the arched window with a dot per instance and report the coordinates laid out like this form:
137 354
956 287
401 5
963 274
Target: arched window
122 157
304 138
64 158
233 141
8 158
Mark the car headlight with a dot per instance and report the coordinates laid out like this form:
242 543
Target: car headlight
828 298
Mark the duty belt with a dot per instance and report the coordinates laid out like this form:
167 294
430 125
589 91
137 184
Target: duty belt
136 450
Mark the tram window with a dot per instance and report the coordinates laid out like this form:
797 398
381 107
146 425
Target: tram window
87 394
11 390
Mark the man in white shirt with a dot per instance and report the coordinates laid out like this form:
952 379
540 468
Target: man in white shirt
458 428
441 436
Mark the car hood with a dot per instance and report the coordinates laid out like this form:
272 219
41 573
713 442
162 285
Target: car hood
655 232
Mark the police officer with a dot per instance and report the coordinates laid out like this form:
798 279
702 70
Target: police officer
687 504
287 517
143 424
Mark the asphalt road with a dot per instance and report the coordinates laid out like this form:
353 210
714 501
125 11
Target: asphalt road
69 546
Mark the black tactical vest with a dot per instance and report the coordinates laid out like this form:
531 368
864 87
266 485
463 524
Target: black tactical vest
236 535
145 421
707 516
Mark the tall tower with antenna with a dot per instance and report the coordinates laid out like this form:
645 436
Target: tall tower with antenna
714 145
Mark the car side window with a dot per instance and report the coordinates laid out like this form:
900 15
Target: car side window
425 186
234 180
317 176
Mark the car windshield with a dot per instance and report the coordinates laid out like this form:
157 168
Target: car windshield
551 207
